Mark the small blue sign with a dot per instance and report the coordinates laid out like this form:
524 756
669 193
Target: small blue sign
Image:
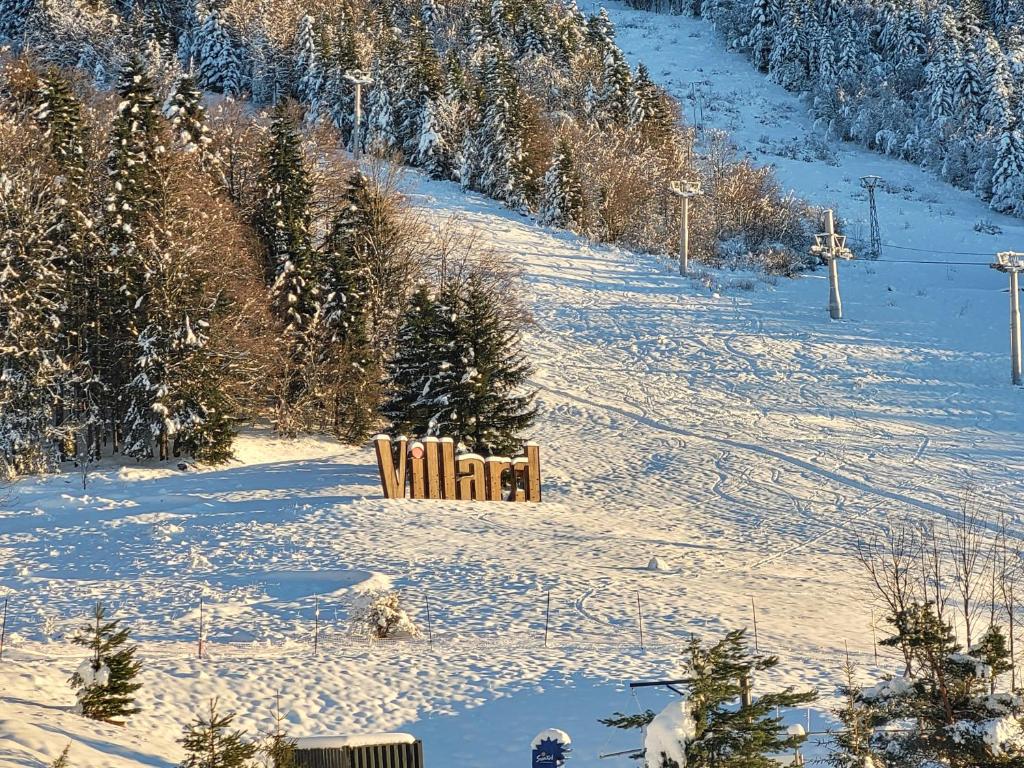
549 753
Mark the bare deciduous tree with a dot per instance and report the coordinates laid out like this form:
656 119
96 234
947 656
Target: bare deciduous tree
890 561
966 548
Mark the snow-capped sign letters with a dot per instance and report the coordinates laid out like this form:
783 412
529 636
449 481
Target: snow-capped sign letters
429 469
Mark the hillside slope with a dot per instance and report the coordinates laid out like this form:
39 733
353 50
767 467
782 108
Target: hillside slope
921 216
736 433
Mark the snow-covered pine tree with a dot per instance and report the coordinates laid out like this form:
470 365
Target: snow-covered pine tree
33 371
763 17
790 62
211 742
147 419
1008 174
219 66
270 75
133 163
485 405
309 67
613 98
106 682
193 15
283 221
998 90
347 348
422 128
434 152
13 14
941 71
649 112
562 203
414 368
723 734
184 109
343 58
58 114
600 30
494 156
386 102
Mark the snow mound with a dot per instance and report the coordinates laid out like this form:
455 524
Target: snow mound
657 564
551 734
887 689
668 734
357 740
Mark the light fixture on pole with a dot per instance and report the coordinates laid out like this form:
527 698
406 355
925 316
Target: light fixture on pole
685 190
358 79
1012 263
832 248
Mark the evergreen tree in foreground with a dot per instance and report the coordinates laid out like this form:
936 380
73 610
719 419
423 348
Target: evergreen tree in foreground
278 747
727 735
210 742
947 711
106 682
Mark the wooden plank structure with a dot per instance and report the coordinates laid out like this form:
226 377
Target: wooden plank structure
430 469
369 756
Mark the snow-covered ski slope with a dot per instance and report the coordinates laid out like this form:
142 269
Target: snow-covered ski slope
736 433
740 435
921 217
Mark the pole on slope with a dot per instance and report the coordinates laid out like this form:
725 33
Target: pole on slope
202 625
430 628
1012 263
3 630
871 183
316 623
685 190
753 608
640 620
358 79
547 619
874 636
832 247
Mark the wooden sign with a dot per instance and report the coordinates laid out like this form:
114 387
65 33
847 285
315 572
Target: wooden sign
429 469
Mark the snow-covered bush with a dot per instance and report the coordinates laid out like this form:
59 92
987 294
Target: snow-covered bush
382 616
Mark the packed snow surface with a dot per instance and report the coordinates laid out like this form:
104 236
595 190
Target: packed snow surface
359 740
724 422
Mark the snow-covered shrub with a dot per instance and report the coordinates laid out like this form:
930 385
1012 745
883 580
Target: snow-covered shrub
382 616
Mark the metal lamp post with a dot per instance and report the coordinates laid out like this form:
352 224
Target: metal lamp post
832 248
1012 263
358 79
685 190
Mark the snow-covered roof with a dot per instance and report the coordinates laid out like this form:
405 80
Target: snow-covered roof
551 734
356 740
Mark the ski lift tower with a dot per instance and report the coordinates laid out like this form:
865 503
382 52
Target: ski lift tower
685 190
832 248
358 79
871 183
1012 263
